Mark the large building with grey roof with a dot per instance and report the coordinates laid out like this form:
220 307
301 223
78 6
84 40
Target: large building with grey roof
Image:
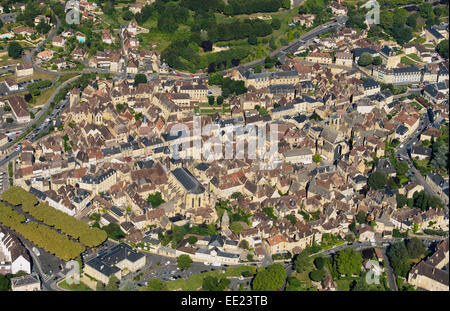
114 261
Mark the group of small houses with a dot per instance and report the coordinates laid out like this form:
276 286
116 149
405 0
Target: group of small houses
115 160
137 60
14 258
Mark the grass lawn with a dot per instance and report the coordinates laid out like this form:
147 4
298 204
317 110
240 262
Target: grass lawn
194 283
304 279
62 79
79 288
416 105
44 96
414 57
7 61
162 40
237 271
407 61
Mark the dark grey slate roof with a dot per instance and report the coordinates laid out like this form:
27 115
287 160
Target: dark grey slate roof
189 182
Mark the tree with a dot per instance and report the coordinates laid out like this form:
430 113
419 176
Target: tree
127 15
15 50
317 275
43 27
270 279
252 40
257 68
348 261
352 227
317 158
244 244
156 285
219 100
5 284
442 48
377 61
415 247
377 180
211 283
236 228
359 286
399 257
365 59
349 237
112 284
192 240
361 217
211 100
276 23
401 200
155 199
411 21
184 262
402 34
139 78
302 262
319 262
113 231
401 167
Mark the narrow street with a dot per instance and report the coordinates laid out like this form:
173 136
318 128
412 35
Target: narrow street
389 273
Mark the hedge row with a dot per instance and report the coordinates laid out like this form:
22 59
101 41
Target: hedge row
69 225
41 235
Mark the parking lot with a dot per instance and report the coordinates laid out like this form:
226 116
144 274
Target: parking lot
22 87
165 269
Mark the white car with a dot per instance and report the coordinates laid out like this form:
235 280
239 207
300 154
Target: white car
401 146
206 263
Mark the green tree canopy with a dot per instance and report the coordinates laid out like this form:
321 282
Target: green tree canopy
317 275
442 48
348 261
319 262
184 262
155 199
415 247
156 285
361 217
270 279
192 240
401 200
112 284
15 50
302 261
377 180
139 78
211 283
365 59
317 158
399 256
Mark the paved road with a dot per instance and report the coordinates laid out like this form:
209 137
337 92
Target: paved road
293 46
403 151
389 273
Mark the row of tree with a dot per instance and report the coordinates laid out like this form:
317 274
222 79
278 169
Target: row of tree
41 235
52 217
401 253
229 86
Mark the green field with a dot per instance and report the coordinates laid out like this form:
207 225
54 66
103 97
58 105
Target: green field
78 288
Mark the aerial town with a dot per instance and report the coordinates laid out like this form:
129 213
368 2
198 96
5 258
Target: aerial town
268 145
